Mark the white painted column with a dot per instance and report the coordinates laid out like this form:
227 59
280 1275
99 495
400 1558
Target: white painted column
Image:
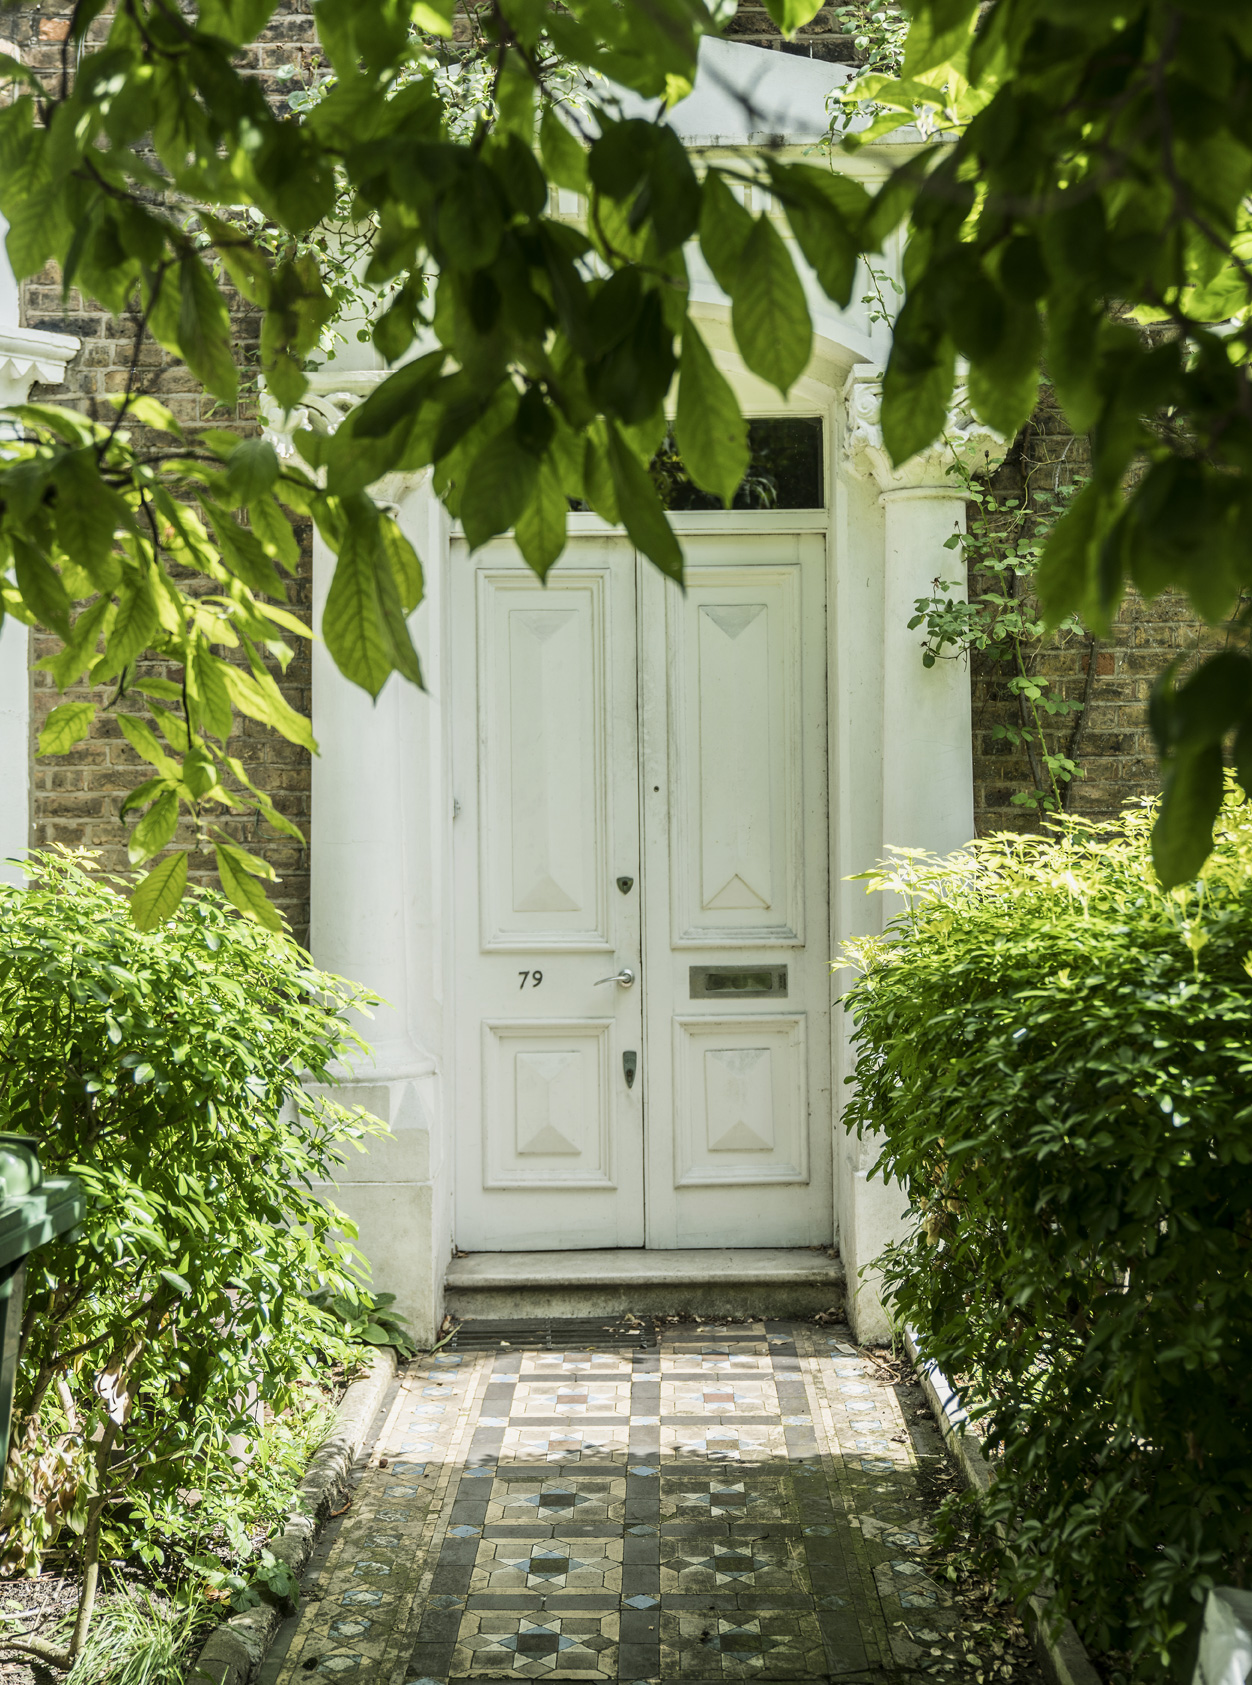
926 750
376 859
15 748
927 754
26 355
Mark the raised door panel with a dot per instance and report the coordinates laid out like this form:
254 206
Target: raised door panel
740 1102
542 761
547 1104
735 681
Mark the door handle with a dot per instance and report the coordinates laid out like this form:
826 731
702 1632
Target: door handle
625 977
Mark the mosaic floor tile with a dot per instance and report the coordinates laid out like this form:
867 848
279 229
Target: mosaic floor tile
740 1504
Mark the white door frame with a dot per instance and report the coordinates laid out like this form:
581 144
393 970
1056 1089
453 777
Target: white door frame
383 800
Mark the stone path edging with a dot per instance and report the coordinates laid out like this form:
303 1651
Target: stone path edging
235 1650
1063 1658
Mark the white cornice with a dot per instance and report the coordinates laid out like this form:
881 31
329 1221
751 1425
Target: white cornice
28 355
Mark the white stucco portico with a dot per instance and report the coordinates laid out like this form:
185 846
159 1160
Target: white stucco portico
389 787
27 355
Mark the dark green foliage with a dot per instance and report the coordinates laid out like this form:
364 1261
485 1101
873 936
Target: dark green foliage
1059 1057
165 1070
368 1317
550 347
1084 204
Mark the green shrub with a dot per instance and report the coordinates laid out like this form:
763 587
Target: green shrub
1059 1057
165 1070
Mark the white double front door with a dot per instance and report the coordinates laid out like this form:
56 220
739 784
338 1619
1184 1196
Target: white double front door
641 897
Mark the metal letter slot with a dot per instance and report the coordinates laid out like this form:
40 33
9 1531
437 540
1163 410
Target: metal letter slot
744 982
630 1064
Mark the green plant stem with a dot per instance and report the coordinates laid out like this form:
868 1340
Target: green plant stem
91 1543
1080 724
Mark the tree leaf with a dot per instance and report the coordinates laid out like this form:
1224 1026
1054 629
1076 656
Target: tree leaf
564 158
1063 578
641 511
204 330
498 486
404 562
154 899
1182 838
363 622
272 530
825 210
540 528
769 312
80 647
916 391
257 695
242 889
155 830
143 741
87 512
66 725
251 470
133 630
711 433
791 15
41 588
207 690
725 228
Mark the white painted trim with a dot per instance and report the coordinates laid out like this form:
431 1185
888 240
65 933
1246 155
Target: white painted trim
27 355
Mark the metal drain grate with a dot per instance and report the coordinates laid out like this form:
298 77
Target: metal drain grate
551 1333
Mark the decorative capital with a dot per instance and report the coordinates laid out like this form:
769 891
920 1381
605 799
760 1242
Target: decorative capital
331 397
965 440
28 355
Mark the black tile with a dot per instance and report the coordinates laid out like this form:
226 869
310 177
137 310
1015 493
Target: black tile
454 1580
639 1580
430 1661
468 1512
439 1626
639 1661
641 1626
458 1553
574 1600
841 1635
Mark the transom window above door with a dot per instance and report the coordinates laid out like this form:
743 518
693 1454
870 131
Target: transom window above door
785 470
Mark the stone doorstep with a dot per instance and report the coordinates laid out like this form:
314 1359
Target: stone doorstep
730 1281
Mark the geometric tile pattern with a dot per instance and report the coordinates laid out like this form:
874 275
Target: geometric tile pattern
740 1503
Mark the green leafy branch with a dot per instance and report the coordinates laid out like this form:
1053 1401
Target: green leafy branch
532 356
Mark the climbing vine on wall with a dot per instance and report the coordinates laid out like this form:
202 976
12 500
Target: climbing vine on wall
1001 622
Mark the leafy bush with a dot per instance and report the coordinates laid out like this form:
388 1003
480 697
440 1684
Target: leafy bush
1058 1054
165 1070
369 1319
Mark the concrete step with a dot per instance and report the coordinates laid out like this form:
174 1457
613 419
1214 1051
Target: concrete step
722 1282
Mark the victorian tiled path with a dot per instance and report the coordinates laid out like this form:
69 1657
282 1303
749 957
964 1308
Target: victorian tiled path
738 1502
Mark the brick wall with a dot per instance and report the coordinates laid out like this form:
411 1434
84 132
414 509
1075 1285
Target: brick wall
76 798
1111 741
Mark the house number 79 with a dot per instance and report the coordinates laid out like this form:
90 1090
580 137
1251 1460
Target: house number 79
536 978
